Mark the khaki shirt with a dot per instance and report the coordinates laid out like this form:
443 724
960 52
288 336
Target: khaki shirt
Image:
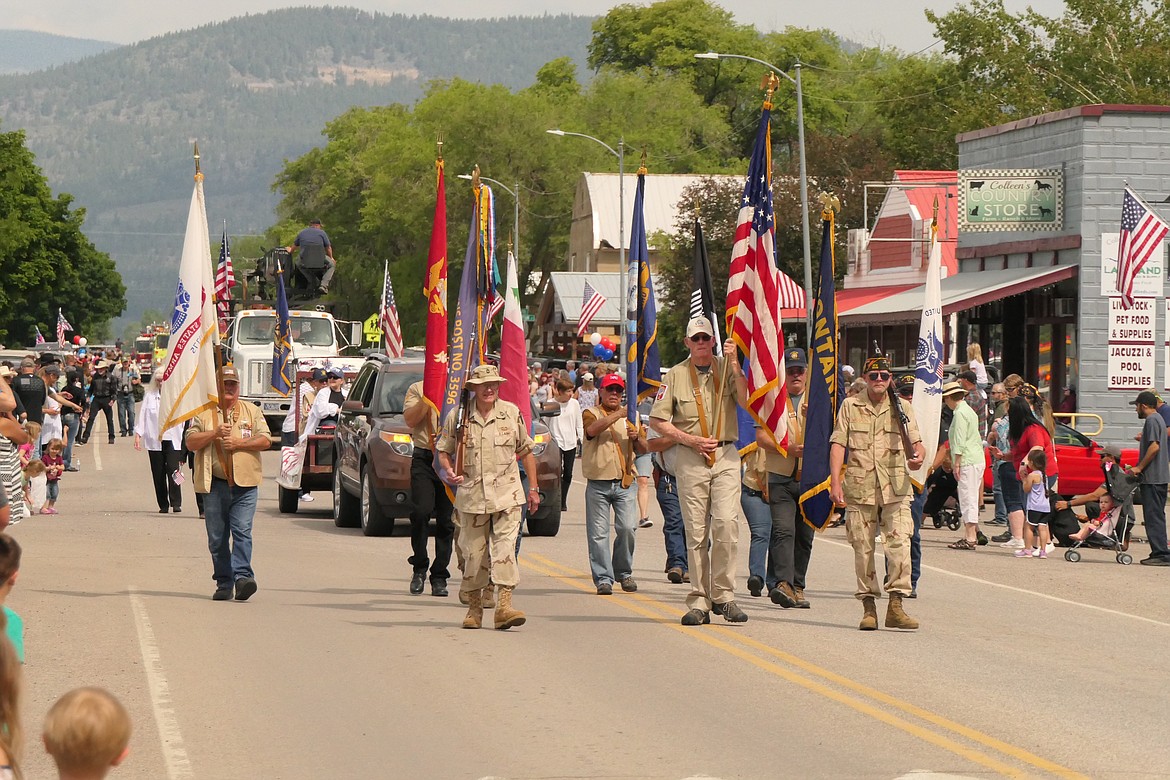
421 436
789 465
247 420
600 458
491 476
876 471
676 403
754 474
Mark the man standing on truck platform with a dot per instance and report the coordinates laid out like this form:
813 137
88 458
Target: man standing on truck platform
313 235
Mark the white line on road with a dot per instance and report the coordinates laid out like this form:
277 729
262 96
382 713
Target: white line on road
97 455
174 752
1057 599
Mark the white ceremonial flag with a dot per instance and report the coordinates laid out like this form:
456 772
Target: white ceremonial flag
928 365
189 384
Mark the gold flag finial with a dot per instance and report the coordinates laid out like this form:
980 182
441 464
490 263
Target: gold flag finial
440 144
198 171
830 204
642 167
769 84
475 183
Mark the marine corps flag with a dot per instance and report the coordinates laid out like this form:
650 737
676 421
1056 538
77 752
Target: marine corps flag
821 391
189 385
435 290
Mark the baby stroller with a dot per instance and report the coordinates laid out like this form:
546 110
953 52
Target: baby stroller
1121 488
942 500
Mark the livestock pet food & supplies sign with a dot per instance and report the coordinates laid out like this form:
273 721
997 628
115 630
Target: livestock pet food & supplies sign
1131 344
1011 199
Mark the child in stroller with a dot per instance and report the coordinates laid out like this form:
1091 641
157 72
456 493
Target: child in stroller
1110 529
942 499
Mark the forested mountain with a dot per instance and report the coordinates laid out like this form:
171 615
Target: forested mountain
115 129
23 51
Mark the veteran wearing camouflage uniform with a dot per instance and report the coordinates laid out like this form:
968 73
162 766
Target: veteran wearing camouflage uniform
707 467
489 497
876 489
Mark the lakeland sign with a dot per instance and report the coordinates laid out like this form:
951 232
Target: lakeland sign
1011 199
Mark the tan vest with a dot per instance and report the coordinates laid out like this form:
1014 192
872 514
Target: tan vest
247 471
789 465
610 453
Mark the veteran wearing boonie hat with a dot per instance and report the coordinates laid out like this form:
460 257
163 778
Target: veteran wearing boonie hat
878 490
695 407
490 496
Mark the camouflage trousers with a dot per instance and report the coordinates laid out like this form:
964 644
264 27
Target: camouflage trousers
862 523
487 548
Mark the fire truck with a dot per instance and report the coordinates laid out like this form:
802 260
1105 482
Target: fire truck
147 345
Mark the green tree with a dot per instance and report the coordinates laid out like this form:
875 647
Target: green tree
46 261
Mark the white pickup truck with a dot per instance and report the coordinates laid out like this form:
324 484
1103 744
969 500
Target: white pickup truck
316 336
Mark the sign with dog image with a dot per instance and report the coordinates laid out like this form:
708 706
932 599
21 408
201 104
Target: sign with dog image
1011 199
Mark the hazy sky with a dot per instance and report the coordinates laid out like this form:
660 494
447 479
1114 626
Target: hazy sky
898 23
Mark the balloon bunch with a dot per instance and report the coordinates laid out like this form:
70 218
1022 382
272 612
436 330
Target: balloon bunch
80 341
603 346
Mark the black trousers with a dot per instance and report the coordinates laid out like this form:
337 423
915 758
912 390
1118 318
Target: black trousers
164 463
100 405
568 458
429 497
792 538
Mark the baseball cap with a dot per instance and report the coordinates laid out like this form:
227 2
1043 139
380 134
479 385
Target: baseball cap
229 374
52 368
699 325
967 375
587 377
28 363
612 379
314 221
1145 398
794 358
318 375
1112 449
333 372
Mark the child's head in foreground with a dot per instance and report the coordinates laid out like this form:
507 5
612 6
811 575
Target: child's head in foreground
86 732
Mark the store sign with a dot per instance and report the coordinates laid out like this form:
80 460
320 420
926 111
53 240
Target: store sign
1011 199
1131 344
1149 280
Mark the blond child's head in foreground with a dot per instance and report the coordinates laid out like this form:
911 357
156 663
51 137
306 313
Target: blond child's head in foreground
87 732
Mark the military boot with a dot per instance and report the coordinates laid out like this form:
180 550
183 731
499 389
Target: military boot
474 617
869 619
506 617
489 597
895 617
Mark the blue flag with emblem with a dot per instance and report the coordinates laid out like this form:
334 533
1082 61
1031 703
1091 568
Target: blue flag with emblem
282 372
821 392
643 365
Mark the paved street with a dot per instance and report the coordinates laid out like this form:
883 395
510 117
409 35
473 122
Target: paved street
1022 667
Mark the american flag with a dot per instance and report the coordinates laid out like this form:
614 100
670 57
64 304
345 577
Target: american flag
225 280
754 298
62 326
388 317
1141 234
39 337
591 303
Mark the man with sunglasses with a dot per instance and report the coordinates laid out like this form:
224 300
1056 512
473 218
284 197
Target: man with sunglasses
877 489
695 407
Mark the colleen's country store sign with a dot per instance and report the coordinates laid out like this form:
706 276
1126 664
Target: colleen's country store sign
1011 199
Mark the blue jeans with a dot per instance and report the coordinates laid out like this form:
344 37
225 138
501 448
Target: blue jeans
228 512
600 496
126 413
759 520
673 528
72 424
916 505
1001 512
1154 511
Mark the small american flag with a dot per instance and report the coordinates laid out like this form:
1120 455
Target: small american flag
225 280
391 328
62 326
591 303
40 339
1141 234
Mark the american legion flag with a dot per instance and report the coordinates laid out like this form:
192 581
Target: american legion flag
388 318
754 297
1141 235
591 303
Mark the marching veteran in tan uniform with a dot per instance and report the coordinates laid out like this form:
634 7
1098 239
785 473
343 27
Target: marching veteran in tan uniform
876 489
489 495
695 407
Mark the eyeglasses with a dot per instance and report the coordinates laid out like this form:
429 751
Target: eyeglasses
700 337
795 370
613 388
878 376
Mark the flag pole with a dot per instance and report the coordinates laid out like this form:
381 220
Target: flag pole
382 308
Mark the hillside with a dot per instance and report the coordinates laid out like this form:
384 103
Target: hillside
115 130
24 51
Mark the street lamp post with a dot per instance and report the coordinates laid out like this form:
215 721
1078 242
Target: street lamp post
620 154
808 308
515 200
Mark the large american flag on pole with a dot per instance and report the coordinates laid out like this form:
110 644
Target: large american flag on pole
591 303
1142 232
754 297
391 327
225 280
62 326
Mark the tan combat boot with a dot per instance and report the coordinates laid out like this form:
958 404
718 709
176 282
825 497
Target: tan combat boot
506 617
489 596
474 617
895 617
869 619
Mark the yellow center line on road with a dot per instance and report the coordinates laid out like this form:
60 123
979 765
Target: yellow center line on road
668 616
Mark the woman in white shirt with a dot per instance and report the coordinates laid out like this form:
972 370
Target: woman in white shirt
567 432
975 356
163 448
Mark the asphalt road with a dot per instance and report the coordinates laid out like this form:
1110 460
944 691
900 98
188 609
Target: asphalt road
1022 667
